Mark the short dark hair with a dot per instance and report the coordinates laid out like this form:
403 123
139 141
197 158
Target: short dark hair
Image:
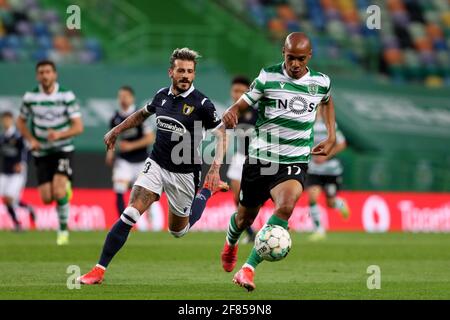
7 113
46 63
127 88
184 54
241 80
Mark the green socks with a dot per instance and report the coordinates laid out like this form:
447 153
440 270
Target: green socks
315 215
254 259
278 221
62 208
233 233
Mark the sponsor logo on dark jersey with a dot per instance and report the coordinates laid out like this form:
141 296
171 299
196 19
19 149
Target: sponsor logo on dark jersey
170 124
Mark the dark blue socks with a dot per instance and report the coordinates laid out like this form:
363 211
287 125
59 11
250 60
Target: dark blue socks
198 206
118 235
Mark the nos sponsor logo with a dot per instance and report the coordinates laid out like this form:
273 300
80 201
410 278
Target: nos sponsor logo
297 105
170 124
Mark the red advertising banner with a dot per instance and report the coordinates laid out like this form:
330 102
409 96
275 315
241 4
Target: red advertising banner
94 209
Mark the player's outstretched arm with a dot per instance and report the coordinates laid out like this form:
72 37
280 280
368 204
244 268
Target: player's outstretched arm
325 147
231 115
133 120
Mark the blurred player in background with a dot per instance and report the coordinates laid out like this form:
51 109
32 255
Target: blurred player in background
130 159
325 173
174 166
246 124
288 94
55 119
13 175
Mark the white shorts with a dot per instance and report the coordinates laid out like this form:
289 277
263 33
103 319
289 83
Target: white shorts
125 171
180 188
235 169
11 185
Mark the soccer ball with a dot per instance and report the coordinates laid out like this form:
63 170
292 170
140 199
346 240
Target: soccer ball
273 243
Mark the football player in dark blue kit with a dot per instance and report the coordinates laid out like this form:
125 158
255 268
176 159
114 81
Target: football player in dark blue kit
13 173
244 128
130 158
182 113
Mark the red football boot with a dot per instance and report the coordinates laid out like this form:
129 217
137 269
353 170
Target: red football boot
229 256
95 276
244 278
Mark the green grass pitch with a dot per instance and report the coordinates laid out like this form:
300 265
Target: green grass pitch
157 266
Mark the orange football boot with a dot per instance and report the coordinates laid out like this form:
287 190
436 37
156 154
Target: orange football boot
244 278
95 276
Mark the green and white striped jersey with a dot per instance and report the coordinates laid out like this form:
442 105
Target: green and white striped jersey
50 111
332 167
286 113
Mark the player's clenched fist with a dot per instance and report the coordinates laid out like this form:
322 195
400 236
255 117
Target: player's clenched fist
110 139
230 118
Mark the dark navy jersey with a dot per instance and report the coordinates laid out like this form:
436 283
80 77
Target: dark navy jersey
245 126
180 121
133 134
13 150
248 117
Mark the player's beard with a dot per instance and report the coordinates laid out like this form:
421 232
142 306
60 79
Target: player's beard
179 88
47 84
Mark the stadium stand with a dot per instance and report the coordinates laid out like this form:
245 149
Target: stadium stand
30 32
411 46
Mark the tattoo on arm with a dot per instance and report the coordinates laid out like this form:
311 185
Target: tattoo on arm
221 143
134 120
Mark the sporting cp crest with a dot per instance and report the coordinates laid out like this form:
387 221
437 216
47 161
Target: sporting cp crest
187 110
313 88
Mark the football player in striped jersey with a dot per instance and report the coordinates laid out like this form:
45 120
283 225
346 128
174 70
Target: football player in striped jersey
55 119
288 95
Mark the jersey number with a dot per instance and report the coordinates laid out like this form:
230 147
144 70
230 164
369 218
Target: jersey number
147 166
64 166
292 168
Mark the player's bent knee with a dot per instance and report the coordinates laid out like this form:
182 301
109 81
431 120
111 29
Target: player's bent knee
142 198
59 193
179 234
47 199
